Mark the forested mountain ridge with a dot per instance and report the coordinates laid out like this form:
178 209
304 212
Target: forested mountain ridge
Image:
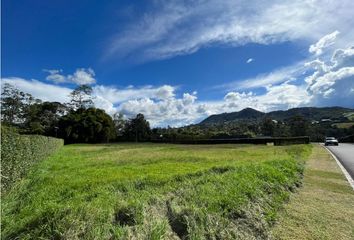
309 113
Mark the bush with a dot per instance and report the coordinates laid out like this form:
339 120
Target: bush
20 152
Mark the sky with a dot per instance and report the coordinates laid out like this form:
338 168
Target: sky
178 62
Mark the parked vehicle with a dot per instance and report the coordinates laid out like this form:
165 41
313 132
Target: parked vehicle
331 141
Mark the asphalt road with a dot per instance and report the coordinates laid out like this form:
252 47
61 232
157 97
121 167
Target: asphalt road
345 154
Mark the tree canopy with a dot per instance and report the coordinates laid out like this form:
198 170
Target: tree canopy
91 125
14 104
81 97
138 129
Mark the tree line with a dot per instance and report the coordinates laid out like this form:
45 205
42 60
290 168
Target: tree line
76 121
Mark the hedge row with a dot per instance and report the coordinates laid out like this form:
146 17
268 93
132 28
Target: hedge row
20 152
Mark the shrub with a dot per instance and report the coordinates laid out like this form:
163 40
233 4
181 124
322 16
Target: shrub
20 152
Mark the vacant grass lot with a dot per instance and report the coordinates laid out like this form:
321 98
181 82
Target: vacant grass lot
154 191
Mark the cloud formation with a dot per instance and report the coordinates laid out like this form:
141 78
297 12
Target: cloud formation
319 80
79 77
283 74
332 81
41 90
172 28
324 42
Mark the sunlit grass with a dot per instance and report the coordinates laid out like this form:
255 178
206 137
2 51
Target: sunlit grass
323 207
153 191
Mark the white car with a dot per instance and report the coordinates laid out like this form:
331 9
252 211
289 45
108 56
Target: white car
331 141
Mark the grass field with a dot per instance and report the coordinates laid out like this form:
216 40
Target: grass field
344 125
350 116
323 208
154 191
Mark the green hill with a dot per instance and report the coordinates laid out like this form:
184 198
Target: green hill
310 113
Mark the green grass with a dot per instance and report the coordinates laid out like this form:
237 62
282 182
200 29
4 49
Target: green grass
344 124
350 116
154 191
323 207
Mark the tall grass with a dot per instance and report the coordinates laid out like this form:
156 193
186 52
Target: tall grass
152 191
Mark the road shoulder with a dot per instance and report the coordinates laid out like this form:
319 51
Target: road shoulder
345 172
323 208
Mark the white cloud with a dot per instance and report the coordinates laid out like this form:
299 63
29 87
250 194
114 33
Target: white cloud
165 92
55 76
44 91
80 76
119 95
343 57
332 81
289 73
283 96
169 111
189 98
323 83
320 82
235 96
324 42
175 28
250 60
101 102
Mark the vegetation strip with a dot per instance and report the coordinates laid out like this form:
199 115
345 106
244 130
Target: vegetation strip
154 191
346 174
323 207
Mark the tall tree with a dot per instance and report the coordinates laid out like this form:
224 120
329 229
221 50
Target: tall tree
119 124
14 104
138 129
81 97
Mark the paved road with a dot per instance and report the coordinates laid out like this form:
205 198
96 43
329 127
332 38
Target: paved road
345 154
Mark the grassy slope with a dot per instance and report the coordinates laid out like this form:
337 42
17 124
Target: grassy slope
324 207
350 116
344 125
151 191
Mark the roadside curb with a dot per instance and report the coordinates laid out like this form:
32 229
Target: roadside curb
346 174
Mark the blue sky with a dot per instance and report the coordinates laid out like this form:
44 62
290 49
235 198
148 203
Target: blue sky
180 61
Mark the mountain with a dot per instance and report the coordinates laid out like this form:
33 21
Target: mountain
245 114
310 113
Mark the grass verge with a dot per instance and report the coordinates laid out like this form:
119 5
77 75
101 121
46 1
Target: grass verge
324 206
154 191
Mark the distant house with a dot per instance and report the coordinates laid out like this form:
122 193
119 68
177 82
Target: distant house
326 120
